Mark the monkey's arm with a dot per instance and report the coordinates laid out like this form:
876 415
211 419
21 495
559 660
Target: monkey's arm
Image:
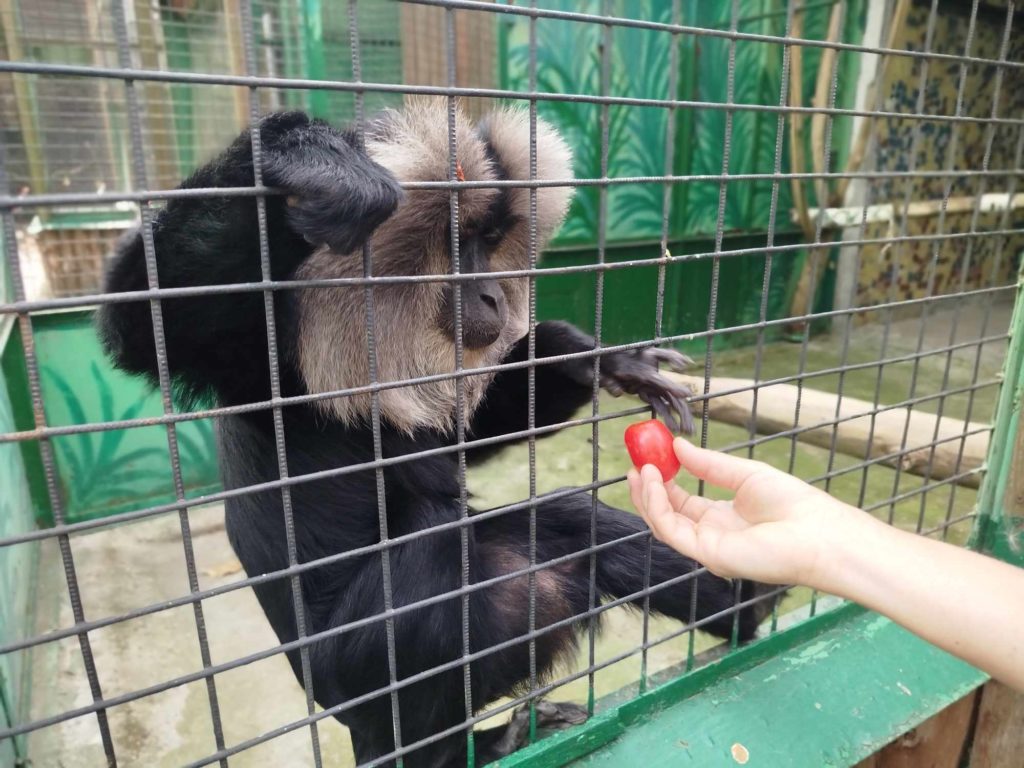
563 386
334 194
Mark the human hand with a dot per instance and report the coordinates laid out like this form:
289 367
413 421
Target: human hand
776 529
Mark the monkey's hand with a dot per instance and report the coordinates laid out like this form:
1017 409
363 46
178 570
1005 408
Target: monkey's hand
335 194
635 372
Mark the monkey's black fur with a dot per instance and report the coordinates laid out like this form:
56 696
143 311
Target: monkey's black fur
217 346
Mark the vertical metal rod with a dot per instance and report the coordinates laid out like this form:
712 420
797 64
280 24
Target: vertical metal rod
378 448
460 386
659 307
716 266
986 318
595 394
298 599
812 294
934 263
966 267
908 191
139 181
870 193
531 372
773 208
10 248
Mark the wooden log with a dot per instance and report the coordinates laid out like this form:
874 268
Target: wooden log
938 742
732 402
999 735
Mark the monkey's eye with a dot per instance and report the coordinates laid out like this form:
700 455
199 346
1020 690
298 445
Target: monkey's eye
492 236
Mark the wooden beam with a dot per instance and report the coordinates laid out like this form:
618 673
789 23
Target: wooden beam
999 734
938 742
732 402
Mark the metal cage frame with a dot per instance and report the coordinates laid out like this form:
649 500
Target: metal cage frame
846 627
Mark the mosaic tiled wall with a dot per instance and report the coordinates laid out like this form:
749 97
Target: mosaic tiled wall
983 259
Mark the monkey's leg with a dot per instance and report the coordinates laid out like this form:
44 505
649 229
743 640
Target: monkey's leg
620 572
494 743
563 527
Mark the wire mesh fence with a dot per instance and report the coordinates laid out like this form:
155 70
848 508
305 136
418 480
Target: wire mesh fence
419 465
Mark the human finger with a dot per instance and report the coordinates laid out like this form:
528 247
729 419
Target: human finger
636 491
717 468
675 530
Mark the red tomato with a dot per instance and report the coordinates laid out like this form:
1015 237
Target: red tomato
650 442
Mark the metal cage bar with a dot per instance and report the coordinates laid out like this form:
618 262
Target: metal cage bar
889 196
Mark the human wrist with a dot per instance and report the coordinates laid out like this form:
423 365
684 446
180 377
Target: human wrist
847 537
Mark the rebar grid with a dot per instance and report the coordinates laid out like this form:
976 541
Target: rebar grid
996 286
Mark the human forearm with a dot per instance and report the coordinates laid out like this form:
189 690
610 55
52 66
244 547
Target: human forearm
963 602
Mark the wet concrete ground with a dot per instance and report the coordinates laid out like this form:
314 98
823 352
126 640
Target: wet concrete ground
137 565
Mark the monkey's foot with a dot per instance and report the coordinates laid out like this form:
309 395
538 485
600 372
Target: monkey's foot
551 716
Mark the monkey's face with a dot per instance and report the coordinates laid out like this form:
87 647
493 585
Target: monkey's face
415 323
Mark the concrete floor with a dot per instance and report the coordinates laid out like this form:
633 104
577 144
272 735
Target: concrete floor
137 565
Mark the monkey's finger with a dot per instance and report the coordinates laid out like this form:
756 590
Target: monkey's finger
676 412
685 414
663 410
676 361
611 385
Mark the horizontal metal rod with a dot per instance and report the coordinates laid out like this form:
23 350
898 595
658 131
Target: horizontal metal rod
923 489
47 432
128 74
947 524
123 297
142 196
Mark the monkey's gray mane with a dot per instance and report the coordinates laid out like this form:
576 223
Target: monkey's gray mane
413 145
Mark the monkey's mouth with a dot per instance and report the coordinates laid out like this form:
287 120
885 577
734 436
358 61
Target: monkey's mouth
484 313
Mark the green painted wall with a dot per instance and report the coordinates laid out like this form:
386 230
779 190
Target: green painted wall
102 473
17 563
17 571
569 61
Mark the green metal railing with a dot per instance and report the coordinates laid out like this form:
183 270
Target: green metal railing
830 690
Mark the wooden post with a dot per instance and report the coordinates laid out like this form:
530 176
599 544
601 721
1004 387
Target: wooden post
425 57
999 734
236 54
156 113
26 103
938 742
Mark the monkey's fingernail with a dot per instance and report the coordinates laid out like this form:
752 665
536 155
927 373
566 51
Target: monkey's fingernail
291 201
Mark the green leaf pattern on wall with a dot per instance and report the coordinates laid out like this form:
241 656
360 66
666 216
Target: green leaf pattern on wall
110 471
569 62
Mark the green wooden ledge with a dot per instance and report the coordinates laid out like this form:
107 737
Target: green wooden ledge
827 692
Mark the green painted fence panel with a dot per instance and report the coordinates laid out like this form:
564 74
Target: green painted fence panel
809 696
17 572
